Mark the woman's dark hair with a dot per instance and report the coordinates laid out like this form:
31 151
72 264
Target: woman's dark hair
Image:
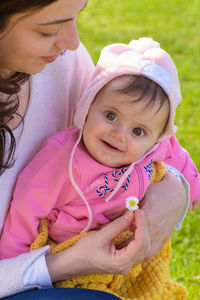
9 87
144 88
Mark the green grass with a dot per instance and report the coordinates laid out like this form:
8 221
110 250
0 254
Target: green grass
175 24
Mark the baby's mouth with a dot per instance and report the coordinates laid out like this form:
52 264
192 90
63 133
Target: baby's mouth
110 146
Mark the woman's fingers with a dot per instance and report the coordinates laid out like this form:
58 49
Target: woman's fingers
137 249
114 216
110 231
97 253
142 232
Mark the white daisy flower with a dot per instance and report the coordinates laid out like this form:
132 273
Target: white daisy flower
132 203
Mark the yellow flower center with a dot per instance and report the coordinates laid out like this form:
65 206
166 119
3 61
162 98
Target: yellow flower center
132 203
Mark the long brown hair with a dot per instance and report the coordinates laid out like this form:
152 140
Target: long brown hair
11 86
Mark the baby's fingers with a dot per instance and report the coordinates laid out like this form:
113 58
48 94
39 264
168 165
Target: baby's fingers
194 205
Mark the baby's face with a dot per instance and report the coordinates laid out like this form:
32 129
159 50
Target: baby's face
119 130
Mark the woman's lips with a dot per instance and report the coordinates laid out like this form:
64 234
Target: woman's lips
49 59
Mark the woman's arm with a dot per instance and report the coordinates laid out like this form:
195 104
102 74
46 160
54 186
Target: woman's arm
164 204
95 253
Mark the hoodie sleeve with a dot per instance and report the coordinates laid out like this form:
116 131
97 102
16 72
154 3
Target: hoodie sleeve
174 155
36 193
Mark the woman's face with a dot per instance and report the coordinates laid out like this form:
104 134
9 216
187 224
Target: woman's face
31 40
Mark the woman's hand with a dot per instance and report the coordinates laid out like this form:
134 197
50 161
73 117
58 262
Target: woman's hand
96 252
164 204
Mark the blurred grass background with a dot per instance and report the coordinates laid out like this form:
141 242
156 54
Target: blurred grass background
175 25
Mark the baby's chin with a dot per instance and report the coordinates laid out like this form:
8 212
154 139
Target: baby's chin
112 164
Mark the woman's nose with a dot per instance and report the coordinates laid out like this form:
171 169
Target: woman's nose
68 36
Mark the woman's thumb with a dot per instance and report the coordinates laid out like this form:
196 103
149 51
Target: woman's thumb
121 224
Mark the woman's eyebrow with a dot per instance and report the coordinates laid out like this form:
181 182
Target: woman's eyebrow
56 22
62 20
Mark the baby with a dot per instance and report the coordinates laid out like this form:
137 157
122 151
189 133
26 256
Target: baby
84 174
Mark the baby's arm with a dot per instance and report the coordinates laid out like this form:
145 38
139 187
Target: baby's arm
36 193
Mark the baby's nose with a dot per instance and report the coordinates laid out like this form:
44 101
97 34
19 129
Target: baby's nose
119 133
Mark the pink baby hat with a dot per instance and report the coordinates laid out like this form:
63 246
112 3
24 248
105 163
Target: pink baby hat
140 57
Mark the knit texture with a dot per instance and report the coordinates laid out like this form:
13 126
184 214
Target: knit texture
148 281
12 284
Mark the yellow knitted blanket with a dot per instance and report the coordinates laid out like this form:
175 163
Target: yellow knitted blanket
148 281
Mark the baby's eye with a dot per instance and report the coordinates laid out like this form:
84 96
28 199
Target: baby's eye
111 116
138 131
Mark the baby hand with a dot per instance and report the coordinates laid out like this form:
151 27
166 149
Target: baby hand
194 205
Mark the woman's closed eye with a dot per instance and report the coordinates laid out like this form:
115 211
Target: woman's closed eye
138 131
111 116
48 34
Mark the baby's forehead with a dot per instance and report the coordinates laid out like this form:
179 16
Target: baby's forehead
119 82
137 88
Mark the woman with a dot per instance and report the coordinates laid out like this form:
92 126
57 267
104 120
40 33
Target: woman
33 107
